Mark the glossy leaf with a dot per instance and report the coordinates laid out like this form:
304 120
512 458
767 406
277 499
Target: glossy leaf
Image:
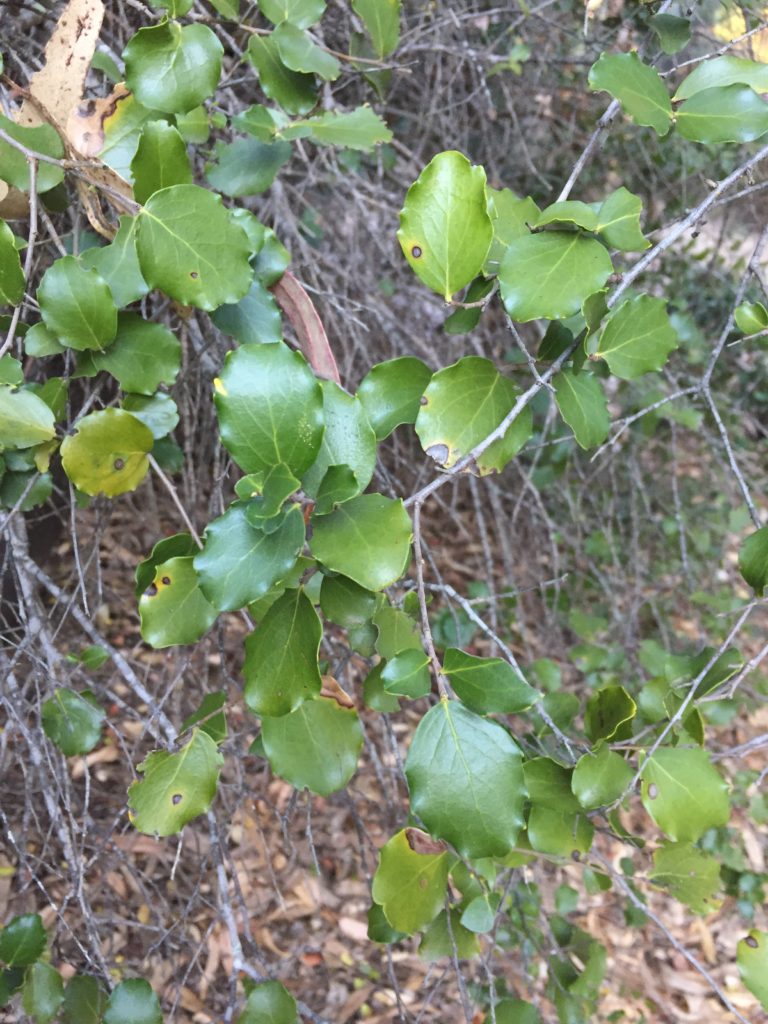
190 247
407 675
367 539
730 113
299 13
40 342
683 793
461 406
173 68
158 412
269 1003
582 404
466 782
751 317
160 161
609 714
315 746
600 778
688 875
239 562
11 274
348 440
108 453
14 168
144 355
25 419
445 229
177 546
280 669
173 608
556 823
118 264
267 493
753 560
175 788
299 53
618 221
382 21
270 409
487 685
512 218
133 1002
76 304
345 602
411 879
84 1000
291 90
569 211
359 129
247 167
43 992
22 941
391 391
637 86
255 319
550 274
724 71
637 338
752 958
72 721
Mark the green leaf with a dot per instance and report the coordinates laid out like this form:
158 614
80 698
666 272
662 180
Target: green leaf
637 338
487 685
11 274
247 167
118 264
752 958
464 320
281 669
84 1001
76 305
41 139
600 778
175 788
466 782
194 126
461 406
25 419
569 211
382 21
298 13
609 714
177 546
266 492
674 33
22 941
270 409
108 454
143 355
29 489
411 879
315 746
723 71
556 824
731 113
516 1011
175 8
122 132
161 160
190 247
638 88
209 713
348 440
133 1002
239 563
683 793
173 68
690 876
299 53
359 129
407 675
445 229
292 90
512 218
583 405
72 721
397 632
480 913
158 412
40 342
269 1003
255 319
750 317
391 392
753 560
438 941
173 608
550 274
43 992
618 221
367 539
345 602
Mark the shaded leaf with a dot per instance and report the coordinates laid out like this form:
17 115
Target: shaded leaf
254 319
22 941
144 355
43 992
390 393
76 305
246 167
299 53
300 13
750 317
11 274
752 958
133 1002
637 338
382 21
407 675
84 1000
753 560
688 874
118 264
348 440
160 160
173 608
583 406
292 90
14 168
25 419
609 714
72 721
158 412
269 1003
439 941
569 211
